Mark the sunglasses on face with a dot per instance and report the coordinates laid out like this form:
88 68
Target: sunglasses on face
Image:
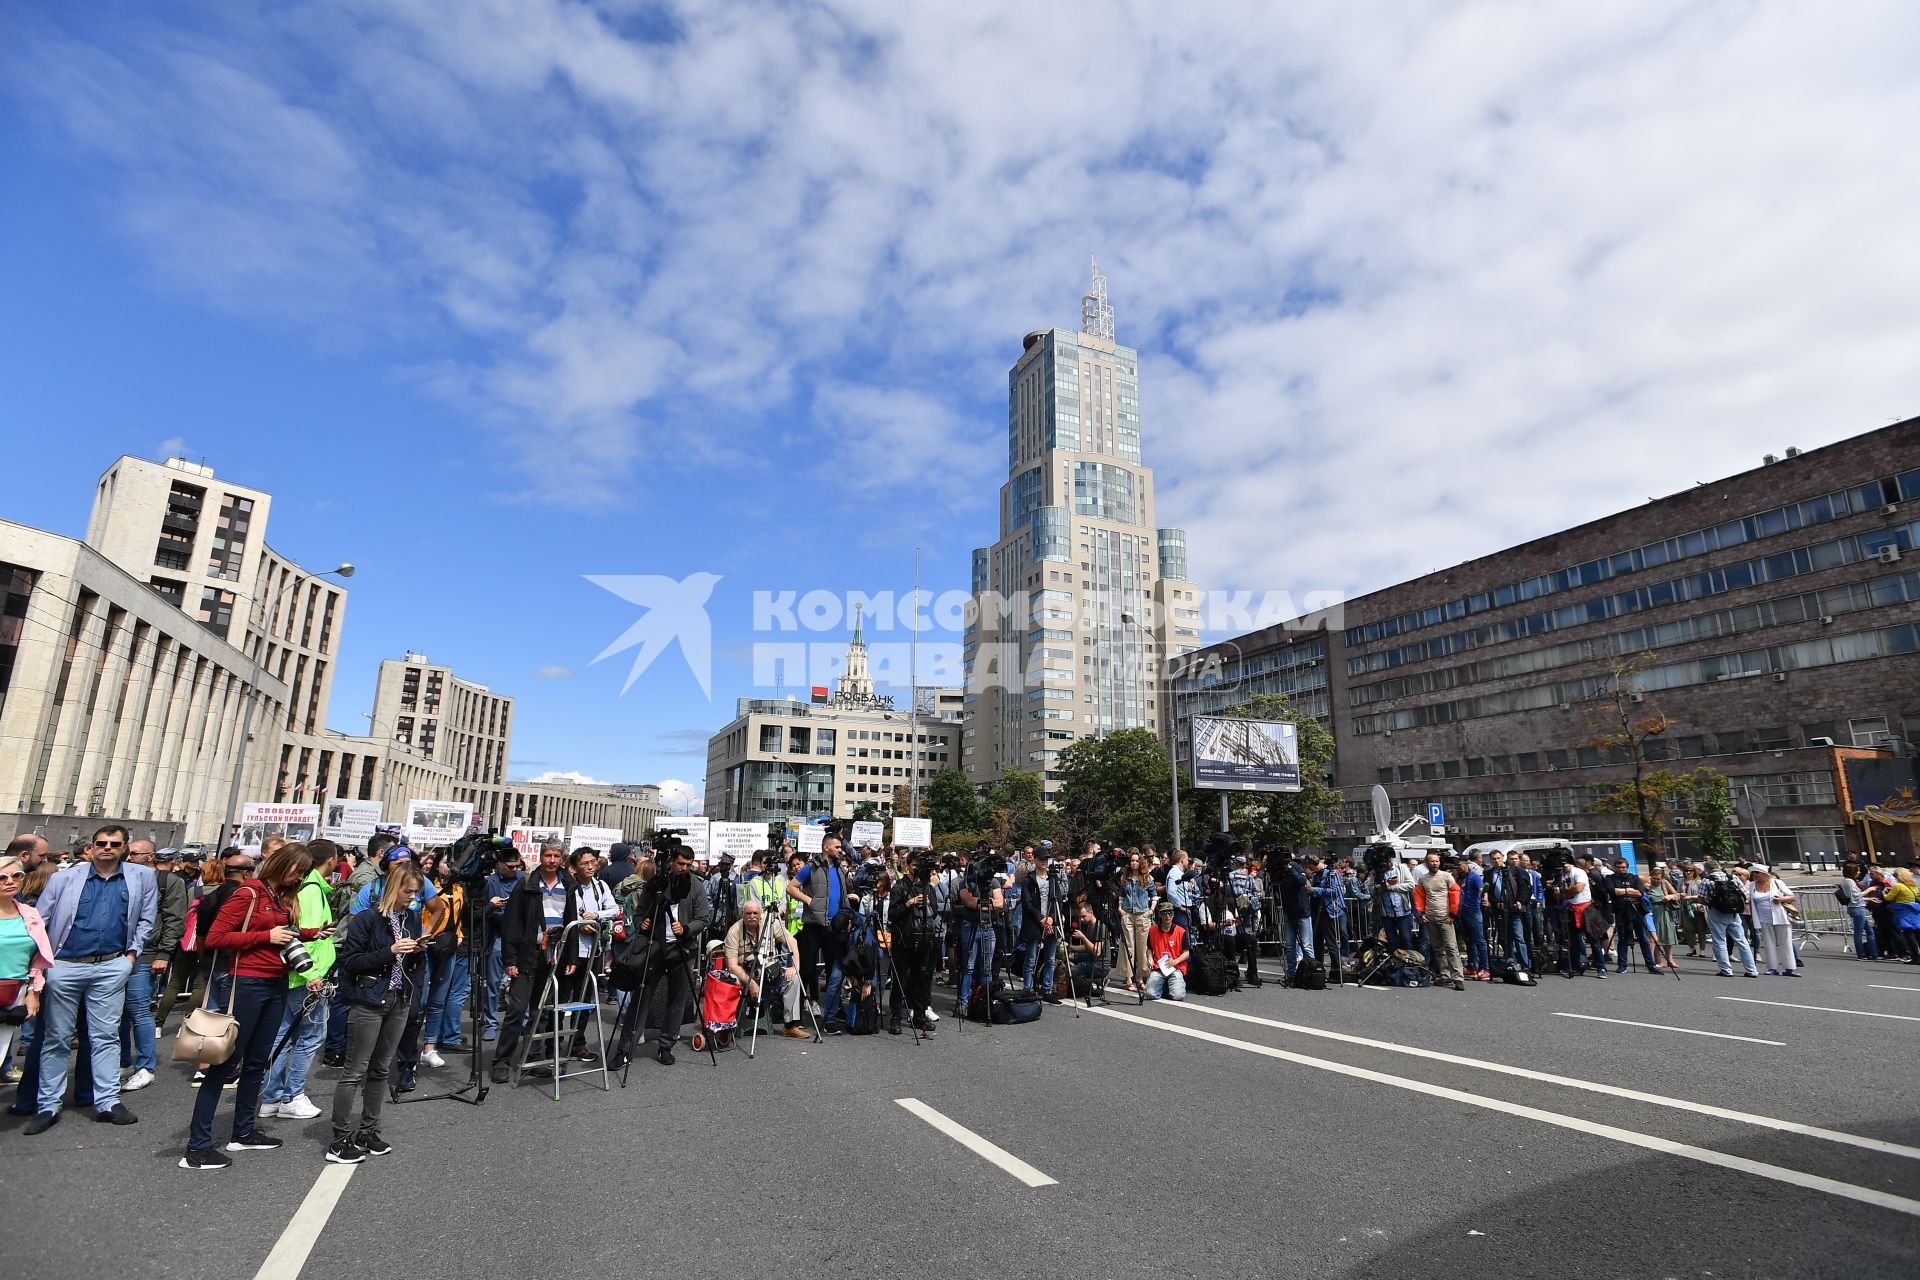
13 875
109 844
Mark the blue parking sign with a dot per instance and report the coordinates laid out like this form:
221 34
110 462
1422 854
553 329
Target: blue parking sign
1436 815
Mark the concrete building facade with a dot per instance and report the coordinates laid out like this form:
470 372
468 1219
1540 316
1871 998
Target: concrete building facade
1773 617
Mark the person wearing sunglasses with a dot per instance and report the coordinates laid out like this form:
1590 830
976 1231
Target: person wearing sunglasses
99 915
25 954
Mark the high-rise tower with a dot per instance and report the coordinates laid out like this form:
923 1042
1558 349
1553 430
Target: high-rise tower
1077 606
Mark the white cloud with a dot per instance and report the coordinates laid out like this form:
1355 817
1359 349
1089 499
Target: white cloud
173 447
568 775
681 797
1408 286
553 672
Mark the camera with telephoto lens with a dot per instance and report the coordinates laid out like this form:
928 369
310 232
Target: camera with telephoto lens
294 952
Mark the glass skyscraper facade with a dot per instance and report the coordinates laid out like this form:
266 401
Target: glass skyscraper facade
1082 598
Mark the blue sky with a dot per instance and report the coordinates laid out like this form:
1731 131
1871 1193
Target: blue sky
497 294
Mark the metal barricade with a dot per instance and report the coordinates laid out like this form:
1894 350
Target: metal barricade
1816 913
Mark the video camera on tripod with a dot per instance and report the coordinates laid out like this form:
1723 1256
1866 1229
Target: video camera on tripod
476 855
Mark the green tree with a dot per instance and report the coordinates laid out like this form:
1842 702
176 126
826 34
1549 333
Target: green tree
1622 722
866 811
1017 812
1285 820
1114 789
951 802
1713 814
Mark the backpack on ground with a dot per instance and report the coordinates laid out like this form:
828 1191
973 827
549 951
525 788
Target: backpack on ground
1209 972
1021 1006
1309 976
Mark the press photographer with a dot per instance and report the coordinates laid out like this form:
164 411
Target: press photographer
983 909
914 921
671 921
1043 896
537 913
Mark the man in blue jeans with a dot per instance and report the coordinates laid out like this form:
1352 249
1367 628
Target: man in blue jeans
137 1032
977 938
99 915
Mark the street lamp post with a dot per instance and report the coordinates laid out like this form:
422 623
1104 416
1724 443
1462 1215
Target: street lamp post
246 710
1173 724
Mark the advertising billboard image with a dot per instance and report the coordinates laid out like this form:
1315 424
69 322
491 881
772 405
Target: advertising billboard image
1245 755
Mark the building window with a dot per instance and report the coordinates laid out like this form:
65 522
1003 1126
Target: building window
230 538
216 611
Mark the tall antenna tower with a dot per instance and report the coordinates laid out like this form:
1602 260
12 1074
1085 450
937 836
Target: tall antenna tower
1096 316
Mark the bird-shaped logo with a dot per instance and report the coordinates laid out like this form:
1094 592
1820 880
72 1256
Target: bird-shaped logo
674 611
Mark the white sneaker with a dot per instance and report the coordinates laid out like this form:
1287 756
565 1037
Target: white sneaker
432 1058
932 1016
298 1107
138 1080
267 1109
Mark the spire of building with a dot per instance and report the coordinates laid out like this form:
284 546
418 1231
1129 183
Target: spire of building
1096 316
856 686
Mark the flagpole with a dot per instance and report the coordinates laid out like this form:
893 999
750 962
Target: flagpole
913 692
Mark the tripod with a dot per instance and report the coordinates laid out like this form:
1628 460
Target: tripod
763 957
477 946
1106 910
883 946
633 1022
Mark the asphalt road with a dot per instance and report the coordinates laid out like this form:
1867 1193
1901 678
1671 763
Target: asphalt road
1272 1132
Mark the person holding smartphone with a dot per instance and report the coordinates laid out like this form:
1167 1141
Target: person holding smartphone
379 968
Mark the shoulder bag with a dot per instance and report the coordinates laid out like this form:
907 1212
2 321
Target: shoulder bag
210 1035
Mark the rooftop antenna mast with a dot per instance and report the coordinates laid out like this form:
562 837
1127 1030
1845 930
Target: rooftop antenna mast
1096 315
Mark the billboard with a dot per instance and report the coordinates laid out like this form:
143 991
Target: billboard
1245 755
258 821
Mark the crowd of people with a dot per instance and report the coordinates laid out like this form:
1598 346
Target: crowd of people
373 962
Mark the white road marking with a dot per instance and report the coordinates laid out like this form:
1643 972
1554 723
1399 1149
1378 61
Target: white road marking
1881 986
1822 1008
296 1242
1660 1026
1591 1086
1739 1164
973 1142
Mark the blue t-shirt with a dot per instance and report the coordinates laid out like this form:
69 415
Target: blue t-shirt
16 947
1470 890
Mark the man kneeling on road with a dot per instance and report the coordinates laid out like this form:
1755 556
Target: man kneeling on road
755 944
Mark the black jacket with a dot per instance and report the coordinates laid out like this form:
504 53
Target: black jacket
914 928
1290 886
524 919
696 913
364 964
1030 916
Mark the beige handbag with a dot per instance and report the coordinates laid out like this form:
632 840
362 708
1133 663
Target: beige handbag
209 1035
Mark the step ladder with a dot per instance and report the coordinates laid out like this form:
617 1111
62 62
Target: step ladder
557 1020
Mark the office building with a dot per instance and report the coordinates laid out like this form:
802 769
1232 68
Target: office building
781 758
1774 618
1082 598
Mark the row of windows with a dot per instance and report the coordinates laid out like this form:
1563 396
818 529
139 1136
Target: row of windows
1810 789
1898 588
1860 731
1798 515
1776 659
1777 567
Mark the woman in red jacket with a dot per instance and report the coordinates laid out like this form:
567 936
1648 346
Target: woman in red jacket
248 933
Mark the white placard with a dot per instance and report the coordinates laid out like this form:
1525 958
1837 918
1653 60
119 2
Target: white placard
436 822
869 835
599 839
349 821
741 839
913 833
529 839
258 821
692 832
810 837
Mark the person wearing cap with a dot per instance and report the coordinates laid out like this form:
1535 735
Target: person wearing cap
1167 950
137 1049
1630 915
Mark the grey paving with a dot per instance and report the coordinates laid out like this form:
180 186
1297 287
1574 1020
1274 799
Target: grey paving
1173 1156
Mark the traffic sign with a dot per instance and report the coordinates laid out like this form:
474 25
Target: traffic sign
1437 818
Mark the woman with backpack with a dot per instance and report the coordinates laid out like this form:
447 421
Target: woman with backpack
252 926
380 965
